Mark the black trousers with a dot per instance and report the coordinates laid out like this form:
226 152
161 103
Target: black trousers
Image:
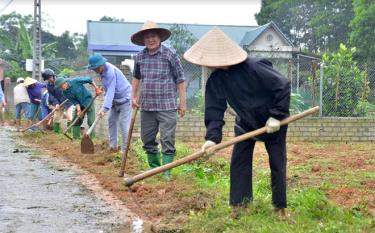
241 188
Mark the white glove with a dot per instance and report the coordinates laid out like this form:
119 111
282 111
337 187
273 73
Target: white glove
207 145
272 125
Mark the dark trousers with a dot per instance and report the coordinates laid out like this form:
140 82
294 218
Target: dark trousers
241 189
164 122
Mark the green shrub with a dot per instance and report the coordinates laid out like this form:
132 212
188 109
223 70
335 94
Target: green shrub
15 71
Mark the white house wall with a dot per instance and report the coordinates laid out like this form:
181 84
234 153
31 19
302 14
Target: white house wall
271 43
271 54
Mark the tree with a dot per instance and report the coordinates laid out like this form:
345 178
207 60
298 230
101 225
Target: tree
289 15
330 23
65 46
80 40
15 42
23 45
344 84
314 25
111 19
14 36
16 45
9 24
362 25
15 71
181 39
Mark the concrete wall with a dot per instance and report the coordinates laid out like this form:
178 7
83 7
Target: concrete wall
191 128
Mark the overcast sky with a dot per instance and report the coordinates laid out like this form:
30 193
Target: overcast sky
72 15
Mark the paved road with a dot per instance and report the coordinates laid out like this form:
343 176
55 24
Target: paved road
38 196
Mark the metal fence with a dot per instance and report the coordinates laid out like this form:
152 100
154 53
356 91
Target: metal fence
340 91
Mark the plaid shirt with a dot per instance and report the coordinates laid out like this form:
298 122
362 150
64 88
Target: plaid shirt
160 73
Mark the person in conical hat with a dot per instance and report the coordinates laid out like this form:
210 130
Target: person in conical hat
260 97
34 89
159 72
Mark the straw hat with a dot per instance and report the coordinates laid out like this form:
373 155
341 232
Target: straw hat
29 81
215 49
137 38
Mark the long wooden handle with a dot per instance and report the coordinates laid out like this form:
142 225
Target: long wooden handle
130 133
130 181
77 117
44 119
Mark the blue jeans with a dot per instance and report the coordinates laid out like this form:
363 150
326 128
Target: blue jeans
119 114
34 110
44 110
26 109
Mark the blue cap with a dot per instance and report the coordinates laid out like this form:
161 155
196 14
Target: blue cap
96 60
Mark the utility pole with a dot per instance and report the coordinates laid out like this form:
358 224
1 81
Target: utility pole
37 40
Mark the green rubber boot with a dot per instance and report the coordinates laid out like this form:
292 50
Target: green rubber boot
153 159
56 127
167 158
76 132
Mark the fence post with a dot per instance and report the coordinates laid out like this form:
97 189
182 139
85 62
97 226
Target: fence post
364 96
321 89
297 88
290 77
313 77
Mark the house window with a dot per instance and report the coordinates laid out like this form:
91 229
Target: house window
269 37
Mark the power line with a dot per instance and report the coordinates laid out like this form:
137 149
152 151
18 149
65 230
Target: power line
6 5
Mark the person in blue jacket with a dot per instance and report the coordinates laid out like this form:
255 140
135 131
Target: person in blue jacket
117 99
55 99
34 89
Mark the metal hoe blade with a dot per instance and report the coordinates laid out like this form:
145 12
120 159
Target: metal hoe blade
87 146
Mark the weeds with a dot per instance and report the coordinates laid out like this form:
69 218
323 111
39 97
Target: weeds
140 153
196 200
309 208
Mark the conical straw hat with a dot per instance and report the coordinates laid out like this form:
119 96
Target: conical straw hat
28 81
215 49
137 38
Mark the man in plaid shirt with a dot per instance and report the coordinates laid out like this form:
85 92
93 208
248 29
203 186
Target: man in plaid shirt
158 72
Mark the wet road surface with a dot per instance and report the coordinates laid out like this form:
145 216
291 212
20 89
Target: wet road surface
37 195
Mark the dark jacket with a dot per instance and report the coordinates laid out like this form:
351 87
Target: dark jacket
77 93
56 96
253 89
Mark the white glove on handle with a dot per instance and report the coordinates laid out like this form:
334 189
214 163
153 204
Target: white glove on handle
207 145
272 125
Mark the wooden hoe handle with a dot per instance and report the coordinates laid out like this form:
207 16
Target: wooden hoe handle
130 181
